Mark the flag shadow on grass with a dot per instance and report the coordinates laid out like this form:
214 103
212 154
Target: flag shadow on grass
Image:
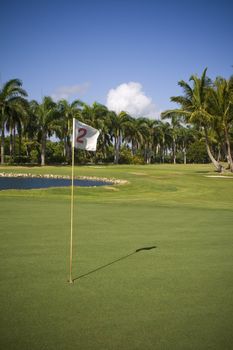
113 262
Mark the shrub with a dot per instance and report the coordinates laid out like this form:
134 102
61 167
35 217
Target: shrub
137 159
54 152
125 156
197 153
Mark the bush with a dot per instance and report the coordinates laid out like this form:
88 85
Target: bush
180 158
34 156
54 152
125 156
21 159
7 159
197 153
137 159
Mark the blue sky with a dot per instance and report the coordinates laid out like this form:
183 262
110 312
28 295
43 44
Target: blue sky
83 49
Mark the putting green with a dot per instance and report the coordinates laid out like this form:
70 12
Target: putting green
176 296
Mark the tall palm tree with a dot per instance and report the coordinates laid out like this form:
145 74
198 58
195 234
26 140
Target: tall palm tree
148 138
162 138
185 136
117 124
63 129
174 131
136 133
221 106
12 99
96 115
15 121
194 109
175 128
157 138
47 114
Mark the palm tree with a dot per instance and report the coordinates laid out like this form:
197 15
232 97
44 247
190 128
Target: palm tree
148 138
47 114
185 136
12 101
117 124
63 129
136 133
194 108
16 119
175 128
157 138
96 115
221 106
174 131
162 138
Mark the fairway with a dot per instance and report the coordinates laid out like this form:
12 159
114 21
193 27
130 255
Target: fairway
175 296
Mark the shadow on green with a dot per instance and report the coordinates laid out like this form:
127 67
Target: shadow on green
113 262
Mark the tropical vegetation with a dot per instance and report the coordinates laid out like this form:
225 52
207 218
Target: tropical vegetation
208 106
200 129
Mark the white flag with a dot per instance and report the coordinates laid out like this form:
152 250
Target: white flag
84 136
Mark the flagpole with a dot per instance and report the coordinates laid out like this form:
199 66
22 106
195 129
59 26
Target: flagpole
72 204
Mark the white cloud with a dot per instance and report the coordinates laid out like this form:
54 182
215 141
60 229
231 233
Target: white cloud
65 92
130 97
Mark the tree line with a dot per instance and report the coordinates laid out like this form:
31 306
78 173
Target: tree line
200 129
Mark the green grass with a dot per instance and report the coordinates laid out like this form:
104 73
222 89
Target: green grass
177 296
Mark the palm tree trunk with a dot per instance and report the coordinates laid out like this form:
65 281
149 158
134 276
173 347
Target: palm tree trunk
117 147
148 154
219 153
163 151
14 142
20 146
229 157
64 148
2 145
216 164
116 150
184 153
134 148
11 144
68 150
174 150
43 148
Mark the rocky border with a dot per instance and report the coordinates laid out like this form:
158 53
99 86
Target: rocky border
51 176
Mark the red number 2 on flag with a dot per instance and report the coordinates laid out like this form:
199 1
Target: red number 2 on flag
81 134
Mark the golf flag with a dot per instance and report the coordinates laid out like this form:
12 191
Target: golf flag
85 136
